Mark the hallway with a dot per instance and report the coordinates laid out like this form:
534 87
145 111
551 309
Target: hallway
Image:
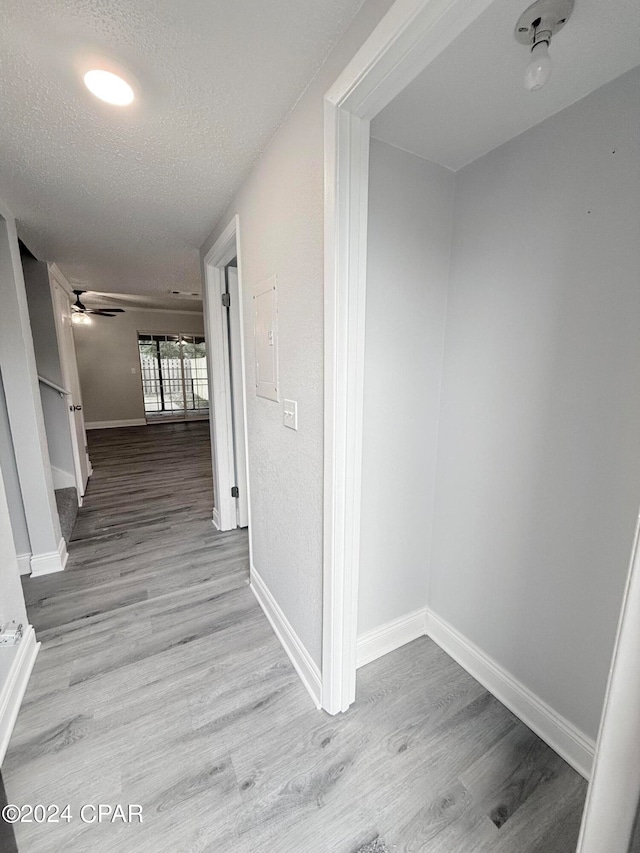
161 683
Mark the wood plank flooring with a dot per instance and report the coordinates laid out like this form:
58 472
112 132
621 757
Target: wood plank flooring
161 683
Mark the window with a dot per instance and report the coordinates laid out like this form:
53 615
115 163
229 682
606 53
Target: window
174 375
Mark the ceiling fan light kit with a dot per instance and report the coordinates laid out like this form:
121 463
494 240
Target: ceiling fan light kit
80 310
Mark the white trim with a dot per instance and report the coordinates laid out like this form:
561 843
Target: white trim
47 564
216 519
345 287
409 37
114 424
239 396
61 279
291 643
24 563
13 690
225 249
61 297
217 336
612 799
391 636
63 479
561 735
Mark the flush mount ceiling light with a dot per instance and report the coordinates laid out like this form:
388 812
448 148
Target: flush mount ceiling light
535 28
109 87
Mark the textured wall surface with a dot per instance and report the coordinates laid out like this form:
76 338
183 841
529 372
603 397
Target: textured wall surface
539 454
123 198
410 206
281 220
107 353
11 481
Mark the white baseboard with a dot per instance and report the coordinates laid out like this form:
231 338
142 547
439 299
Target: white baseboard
14 683
24 564
46 564
216 519
113 424
62 479
298 655
390 636
561 735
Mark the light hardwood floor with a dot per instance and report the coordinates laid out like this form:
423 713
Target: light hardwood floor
160 683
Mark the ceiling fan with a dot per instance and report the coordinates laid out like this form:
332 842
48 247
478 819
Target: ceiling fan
79 308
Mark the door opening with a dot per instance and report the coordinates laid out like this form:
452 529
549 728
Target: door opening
174 376
223 312
71 382
237 404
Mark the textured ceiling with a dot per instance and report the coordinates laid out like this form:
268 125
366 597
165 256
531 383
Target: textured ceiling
121 199
155 301
472 98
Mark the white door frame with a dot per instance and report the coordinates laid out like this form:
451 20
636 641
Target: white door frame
61 300
238 393
410 36
407 39
613 796
224 250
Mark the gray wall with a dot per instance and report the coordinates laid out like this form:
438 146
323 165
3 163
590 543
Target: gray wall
281 225
11 481
11 600
39 300
634 846
24 405
539 454
410 206
109 364
45 344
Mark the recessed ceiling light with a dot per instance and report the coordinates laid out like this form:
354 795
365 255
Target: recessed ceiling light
109 87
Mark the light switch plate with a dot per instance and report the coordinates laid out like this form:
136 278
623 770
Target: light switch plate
291 414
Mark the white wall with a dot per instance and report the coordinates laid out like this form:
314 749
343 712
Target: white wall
281 227
109 363
410 206
539 454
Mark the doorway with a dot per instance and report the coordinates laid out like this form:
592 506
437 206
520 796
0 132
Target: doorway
71 380
224 329
173 368
406 42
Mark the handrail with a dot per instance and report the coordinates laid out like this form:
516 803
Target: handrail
62 391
